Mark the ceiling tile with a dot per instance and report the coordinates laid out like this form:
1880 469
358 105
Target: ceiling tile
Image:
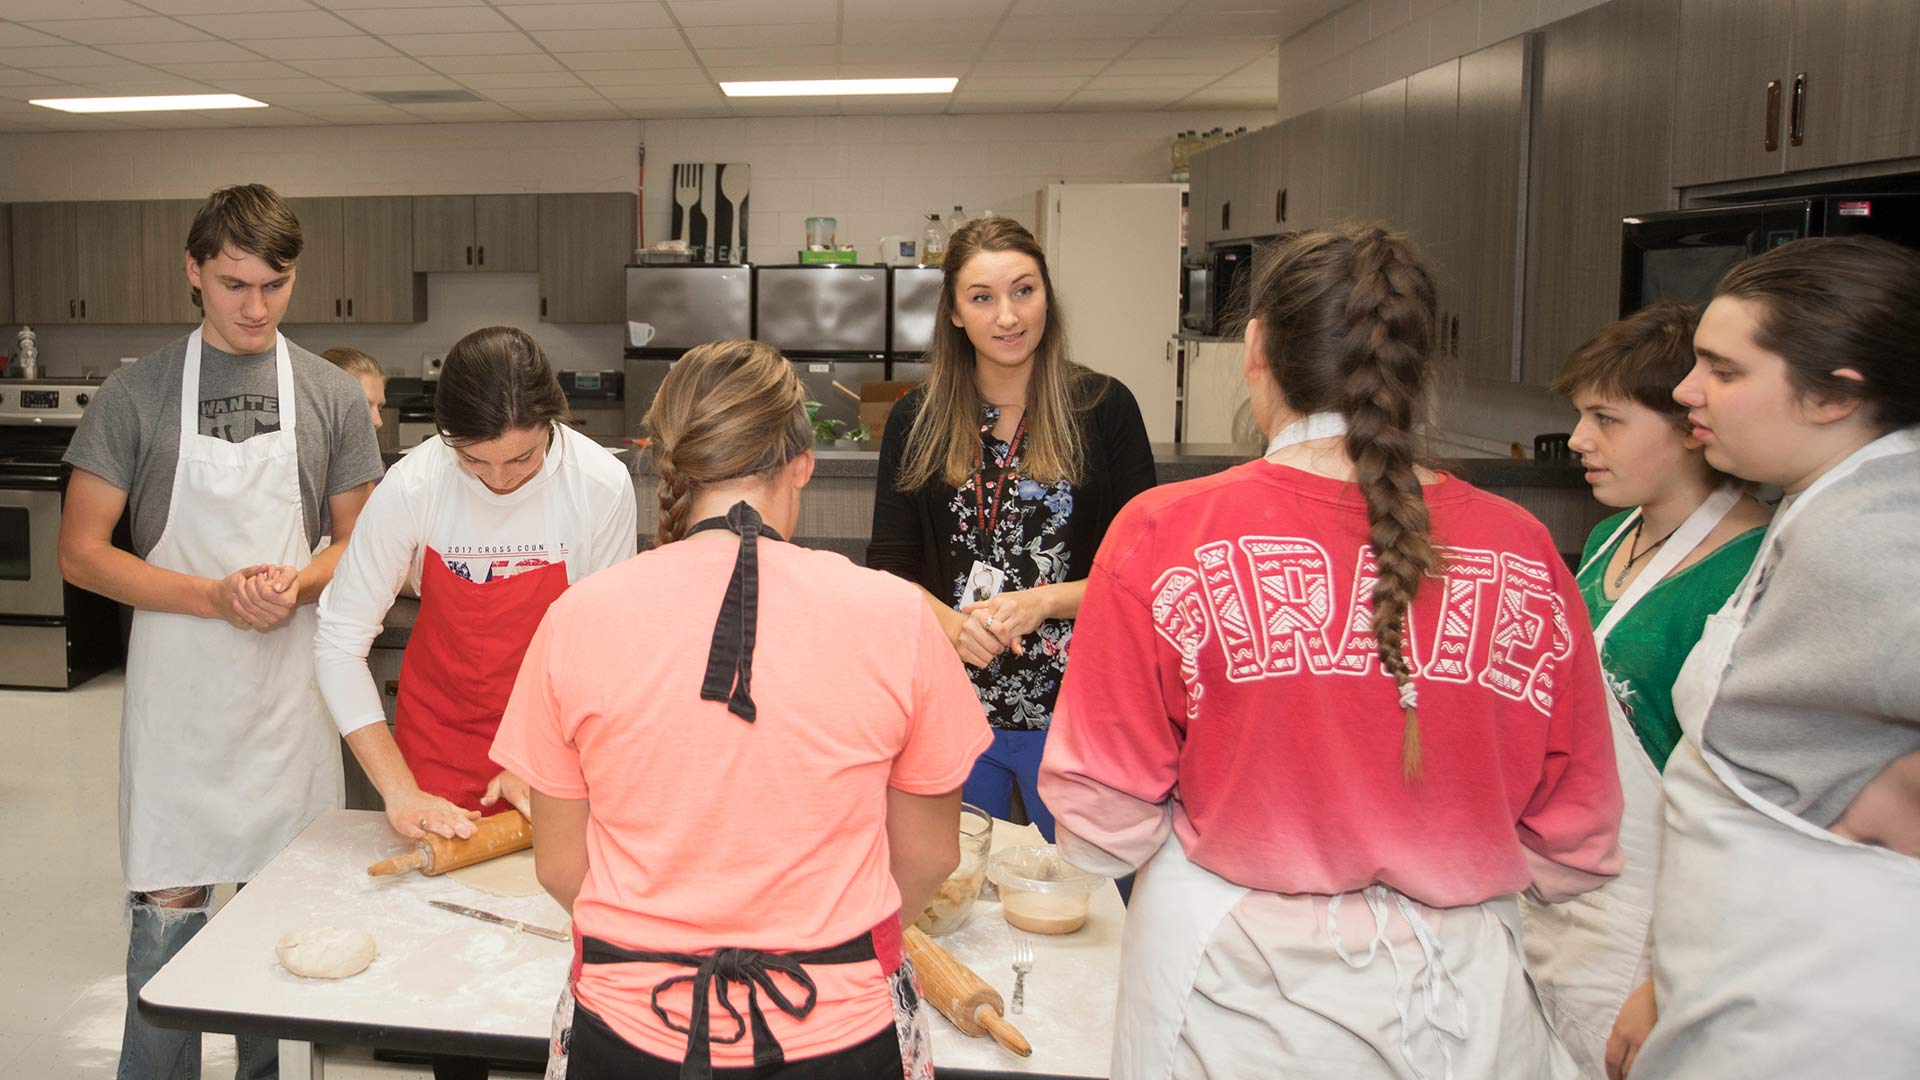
944 34
1099 7
13 36
643 78
119 71
210 72
387 5
988 106
750 58
869 10
320 48
897 68
55 56
256 88
370 83
14 77
621 61
118 31
765 73
462 44
516 95
517 62
1146 84
572 111
43 90
568 41
674 95
1002 49
450 20
762 37
279 24
1231 99
227 7
616 16
989 69
303 98
1273 25
377 65
465 111
184 52
1059 87
489 81
1058 27
1143 98
357 114
1197 47
1135 66
753 12
38 10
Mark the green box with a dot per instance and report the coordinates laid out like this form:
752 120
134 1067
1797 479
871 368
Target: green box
811 258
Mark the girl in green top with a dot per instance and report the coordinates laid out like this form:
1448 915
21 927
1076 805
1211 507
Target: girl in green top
1639 454
1650 576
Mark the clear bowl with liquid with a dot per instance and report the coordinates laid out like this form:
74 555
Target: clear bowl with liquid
1040 892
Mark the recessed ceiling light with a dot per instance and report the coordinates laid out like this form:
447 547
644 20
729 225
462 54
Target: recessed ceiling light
837 87
162 103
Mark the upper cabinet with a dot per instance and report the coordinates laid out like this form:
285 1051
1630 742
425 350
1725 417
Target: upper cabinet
459 233
166 296
1364 137
1300 176
585 242
71 264
1603 102
357 264
1770 86
6 265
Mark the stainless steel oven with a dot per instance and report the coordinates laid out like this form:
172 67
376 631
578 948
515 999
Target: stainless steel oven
30 582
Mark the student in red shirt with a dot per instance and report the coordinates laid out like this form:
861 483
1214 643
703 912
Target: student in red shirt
746 760
1334 705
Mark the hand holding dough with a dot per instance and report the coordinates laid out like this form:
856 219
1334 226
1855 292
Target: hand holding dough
326 952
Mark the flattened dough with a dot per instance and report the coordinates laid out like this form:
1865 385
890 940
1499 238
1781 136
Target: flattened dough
326 952
508 875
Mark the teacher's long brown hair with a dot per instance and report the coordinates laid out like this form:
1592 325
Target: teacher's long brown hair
1349 316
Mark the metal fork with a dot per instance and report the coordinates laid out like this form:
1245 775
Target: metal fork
1022 963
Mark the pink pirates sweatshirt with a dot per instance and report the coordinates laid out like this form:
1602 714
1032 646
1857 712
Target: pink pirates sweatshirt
1224 684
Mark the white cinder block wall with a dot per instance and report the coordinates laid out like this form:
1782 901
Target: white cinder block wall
875 174
1370 43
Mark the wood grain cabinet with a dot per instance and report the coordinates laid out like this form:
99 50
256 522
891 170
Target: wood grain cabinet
461 233
166 296
1364 140
76 262
1771 86
357 264
6 264
585 242
1600 138
1302 195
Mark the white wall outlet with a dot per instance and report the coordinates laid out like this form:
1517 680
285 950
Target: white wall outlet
430 364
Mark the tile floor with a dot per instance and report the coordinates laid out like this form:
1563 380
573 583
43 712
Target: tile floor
62 942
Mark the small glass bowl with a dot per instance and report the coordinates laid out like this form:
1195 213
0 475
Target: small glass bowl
953 904
1040 892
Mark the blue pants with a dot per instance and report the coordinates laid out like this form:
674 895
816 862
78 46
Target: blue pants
155 1053
1014 758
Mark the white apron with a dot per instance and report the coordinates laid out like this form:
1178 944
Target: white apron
1177 906
1784 950
226 749
1588 953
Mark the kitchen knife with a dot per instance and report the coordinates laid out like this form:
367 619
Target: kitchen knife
500 920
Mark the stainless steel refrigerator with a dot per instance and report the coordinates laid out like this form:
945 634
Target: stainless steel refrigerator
914 301
672 308
832 322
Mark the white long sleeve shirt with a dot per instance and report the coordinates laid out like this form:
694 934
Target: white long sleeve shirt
429 501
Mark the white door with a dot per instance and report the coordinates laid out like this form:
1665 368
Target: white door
1216 397
1114 254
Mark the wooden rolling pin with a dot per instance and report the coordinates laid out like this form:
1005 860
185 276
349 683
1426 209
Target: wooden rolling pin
501 834
960 995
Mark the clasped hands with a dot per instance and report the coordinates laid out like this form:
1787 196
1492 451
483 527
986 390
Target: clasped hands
260 597
997 624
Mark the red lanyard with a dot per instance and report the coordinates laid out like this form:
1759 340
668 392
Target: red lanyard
986 518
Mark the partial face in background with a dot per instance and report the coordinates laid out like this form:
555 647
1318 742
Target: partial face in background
375 388
505 464
1632 454
1742 406
244 300
1001 302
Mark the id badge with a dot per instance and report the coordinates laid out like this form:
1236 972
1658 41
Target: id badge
984 582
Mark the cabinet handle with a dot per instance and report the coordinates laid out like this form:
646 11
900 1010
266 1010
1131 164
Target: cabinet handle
1798 130
349 307
483 254
83 309
469 254
393 688
336 307
1280 205
1771 137
1454 330
1226 216
73 309
543 307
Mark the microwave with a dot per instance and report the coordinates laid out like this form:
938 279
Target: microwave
1680 255
1223 298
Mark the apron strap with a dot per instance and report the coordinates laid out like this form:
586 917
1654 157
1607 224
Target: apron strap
729 675
752 968
1320 425
1690 535
1435 969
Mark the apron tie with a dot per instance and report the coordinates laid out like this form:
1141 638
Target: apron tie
752 968
1436 973
729 675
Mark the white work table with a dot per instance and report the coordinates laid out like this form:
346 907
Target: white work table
444 983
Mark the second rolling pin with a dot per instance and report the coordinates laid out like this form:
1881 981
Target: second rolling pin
961 996
501 834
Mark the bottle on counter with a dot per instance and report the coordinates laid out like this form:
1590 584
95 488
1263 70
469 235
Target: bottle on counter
933 240
26 361
955 220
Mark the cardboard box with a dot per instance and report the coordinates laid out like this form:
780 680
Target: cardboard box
876 401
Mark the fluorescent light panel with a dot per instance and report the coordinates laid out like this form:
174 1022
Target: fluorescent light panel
837 87
162 103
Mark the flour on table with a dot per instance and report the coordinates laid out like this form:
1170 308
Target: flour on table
508 875
325 952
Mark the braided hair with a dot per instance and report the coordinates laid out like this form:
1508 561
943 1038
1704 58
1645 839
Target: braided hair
1349 316
727 410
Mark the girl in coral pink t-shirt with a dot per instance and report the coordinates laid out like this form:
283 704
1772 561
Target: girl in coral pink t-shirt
746 760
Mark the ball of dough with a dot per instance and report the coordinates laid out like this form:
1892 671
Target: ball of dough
326 952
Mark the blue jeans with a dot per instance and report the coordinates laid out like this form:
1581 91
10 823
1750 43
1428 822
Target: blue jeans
1013 759
156 1053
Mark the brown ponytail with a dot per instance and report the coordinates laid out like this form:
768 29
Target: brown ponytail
727 410
1349 317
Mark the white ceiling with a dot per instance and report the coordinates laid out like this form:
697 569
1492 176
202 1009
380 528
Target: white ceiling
315 61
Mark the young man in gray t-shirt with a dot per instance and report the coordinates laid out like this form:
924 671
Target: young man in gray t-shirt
227 751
